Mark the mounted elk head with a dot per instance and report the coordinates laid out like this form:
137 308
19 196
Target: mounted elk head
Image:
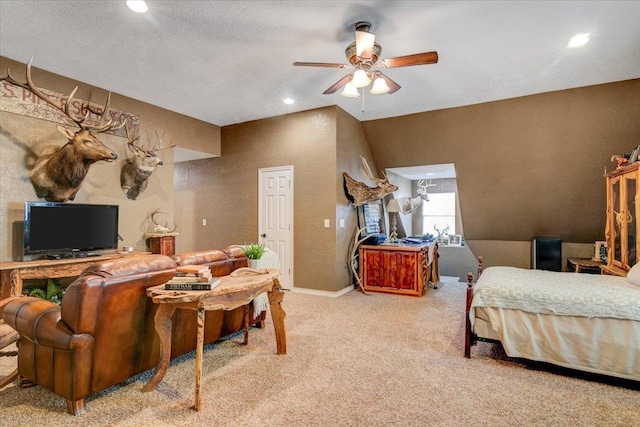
359 193
59 171
135 173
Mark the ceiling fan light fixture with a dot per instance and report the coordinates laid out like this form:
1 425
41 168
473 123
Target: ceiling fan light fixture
360 79
379 86
137 6
350 91
579 40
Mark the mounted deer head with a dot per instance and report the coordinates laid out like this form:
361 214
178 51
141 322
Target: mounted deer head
422 189
59 171
359 193
135 173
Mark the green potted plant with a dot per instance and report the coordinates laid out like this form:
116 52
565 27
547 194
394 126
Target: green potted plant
254 252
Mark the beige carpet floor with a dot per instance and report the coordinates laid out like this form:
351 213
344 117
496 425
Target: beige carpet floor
357 360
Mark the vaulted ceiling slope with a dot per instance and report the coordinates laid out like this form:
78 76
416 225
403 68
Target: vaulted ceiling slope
228 62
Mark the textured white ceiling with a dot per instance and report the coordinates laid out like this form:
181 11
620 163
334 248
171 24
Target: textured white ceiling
228 62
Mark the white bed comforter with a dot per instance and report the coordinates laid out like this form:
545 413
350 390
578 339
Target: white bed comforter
547 292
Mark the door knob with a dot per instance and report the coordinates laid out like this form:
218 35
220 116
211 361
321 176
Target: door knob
263 235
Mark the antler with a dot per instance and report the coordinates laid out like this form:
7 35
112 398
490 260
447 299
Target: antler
157 211
161 147
63 107
132 141
369 175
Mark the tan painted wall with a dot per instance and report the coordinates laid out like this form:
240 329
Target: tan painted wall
526 167
351 144
224 190
20 135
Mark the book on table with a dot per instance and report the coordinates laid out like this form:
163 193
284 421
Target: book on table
193 269
173 285
191 279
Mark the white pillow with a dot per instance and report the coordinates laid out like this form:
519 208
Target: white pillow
633 276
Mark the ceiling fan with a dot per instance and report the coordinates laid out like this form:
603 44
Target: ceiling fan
363 55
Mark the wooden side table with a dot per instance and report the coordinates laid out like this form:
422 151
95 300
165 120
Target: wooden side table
584 265
163 244
235 290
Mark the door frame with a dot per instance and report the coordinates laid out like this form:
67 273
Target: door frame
261 172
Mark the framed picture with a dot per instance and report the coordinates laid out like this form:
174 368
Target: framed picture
455 240
371 217
600 252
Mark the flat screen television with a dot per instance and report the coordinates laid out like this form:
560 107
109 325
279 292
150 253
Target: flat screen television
64 230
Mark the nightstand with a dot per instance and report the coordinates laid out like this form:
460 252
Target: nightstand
584 265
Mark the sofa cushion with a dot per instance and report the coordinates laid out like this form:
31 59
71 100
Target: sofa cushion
130 265
234 251
200 257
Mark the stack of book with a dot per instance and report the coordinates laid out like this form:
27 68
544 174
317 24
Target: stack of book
192 278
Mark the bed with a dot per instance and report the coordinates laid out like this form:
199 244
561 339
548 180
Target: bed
580 321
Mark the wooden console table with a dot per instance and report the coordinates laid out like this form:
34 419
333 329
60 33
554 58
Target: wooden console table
235 290
399 269
12 274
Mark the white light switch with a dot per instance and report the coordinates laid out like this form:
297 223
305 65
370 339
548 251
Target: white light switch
341 223
327 223
204 222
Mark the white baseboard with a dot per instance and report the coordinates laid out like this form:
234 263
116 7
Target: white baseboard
322 293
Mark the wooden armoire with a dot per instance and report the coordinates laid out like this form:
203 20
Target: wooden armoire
622 220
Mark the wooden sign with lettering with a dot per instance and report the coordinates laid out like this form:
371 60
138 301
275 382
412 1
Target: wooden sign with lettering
17 100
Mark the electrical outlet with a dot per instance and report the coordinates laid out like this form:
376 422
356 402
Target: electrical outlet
204 222
341 223
327 223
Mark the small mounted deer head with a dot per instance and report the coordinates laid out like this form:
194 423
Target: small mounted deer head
135 173
59 171
422 189
359 193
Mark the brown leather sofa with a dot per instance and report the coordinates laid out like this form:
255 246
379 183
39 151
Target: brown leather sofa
103 332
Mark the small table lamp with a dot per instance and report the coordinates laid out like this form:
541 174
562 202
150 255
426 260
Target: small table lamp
393 207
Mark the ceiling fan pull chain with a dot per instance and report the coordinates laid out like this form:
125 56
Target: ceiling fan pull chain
362 100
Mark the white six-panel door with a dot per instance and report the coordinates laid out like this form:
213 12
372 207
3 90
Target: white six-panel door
275 217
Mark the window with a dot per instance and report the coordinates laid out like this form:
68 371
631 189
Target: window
439 211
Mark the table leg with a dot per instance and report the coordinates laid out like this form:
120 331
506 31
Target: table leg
247 320
199 354
276 296
163 328
16 283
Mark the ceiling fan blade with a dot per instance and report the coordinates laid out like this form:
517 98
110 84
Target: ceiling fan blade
319 64
393 86
337 85
405 61
364 44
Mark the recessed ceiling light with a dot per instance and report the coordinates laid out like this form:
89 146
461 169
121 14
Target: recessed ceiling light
430 174
579 40
288 101
137 6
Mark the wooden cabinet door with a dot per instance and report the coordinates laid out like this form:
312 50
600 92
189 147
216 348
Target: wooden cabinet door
616 215
392 271
630 220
